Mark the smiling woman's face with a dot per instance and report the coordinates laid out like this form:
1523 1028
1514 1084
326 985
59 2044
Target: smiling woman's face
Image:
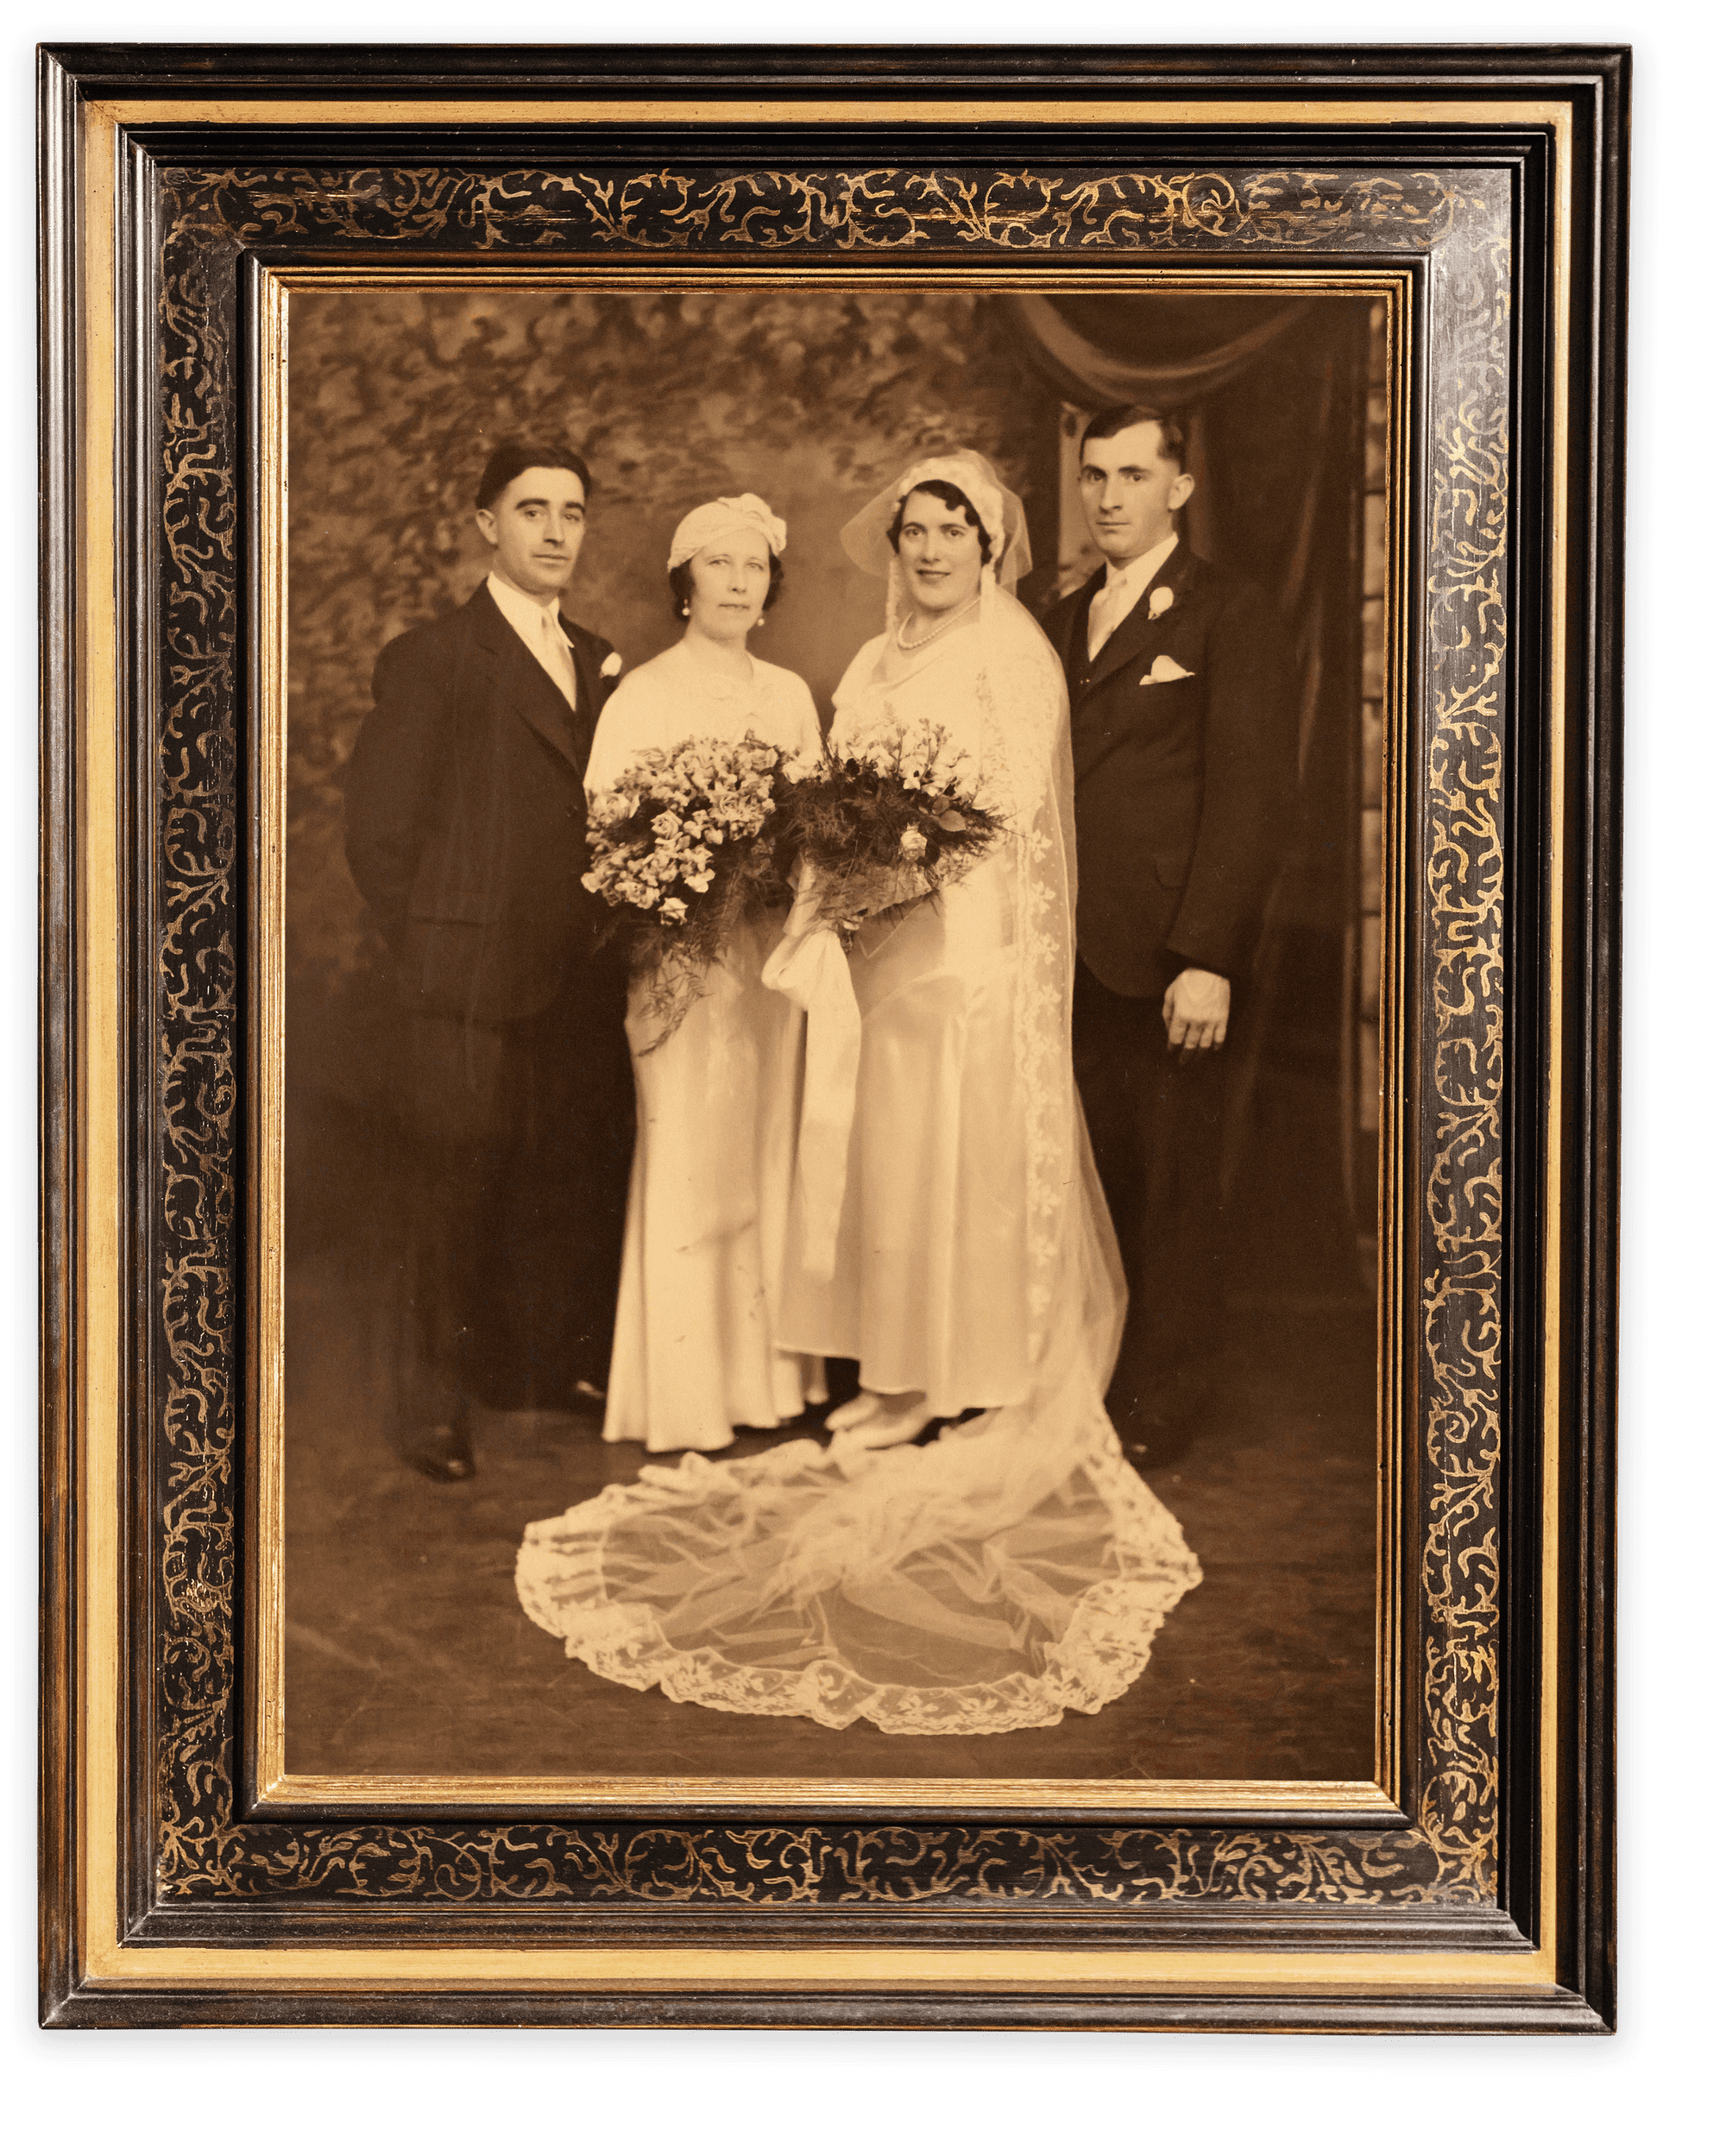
728 581
941 553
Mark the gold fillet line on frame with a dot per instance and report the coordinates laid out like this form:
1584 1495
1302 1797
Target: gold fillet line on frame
528 110
1275 1799
1394 1434
99 924
1552 1433
266 1231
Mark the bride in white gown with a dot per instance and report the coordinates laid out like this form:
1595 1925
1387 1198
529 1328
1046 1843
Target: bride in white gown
694 1352
1015 1568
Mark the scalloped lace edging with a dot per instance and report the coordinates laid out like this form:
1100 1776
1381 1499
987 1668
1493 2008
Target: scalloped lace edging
1106 1645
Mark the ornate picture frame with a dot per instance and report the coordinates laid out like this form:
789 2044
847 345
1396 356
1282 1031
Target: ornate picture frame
1480 197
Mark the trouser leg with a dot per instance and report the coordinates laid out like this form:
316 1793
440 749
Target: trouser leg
451 1114
1156 1127
559 1202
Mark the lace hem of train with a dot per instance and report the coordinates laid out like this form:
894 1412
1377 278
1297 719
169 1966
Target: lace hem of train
1077 1666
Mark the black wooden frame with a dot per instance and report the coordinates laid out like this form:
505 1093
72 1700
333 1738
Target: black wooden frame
191 1879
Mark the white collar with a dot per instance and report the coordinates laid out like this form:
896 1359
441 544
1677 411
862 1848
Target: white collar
527 617
1132 579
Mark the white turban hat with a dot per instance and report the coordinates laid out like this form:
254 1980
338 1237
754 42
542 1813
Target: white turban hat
726 514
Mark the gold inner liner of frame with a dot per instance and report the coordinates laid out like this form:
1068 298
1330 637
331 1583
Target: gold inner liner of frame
267 1532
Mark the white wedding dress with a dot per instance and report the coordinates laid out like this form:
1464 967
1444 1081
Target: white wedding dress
954 1239
694 1352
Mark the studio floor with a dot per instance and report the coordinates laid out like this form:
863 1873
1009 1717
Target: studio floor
408 1653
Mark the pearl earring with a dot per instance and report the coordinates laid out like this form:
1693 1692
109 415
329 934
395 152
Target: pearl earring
685 612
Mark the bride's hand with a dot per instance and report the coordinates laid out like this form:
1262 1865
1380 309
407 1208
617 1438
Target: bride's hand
869 891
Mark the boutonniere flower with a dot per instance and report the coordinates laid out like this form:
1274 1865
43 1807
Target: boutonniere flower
1161 600
610 664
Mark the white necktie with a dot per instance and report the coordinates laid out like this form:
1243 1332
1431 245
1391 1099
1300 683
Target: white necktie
556 657
1107 610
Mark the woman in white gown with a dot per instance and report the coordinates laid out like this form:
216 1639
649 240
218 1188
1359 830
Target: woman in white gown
1015 1568
694 1352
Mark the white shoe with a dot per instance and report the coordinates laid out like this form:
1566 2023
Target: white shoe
883 1431
854 1411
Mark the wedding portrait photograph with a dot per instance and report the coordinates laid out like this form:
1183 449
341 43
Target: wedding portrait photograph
831 1205
831 847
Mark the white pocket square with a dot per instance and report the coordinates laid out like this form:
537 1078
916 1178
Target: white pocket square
1163 668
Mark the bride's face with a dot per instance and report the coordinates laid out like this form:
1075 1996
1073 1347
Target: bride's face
940 554
728 580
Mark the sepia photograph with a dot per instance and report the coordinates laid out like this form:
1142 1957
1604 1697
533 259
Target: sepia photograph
831 1090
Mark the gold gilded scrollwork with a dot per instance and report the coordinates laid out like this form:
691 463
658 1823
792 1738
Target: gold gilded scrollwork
881 209
204 1852
1462 1308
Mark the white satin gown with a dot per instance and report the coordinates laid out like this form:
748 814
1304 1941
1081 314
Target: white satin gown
694 1354
930 1290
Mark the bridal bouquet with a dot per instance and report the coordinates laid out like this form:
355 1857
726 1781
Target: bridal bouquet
888 824
686 845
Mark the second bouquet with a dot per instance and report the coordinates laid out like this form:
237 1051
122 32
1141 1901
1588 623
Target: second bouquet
886 826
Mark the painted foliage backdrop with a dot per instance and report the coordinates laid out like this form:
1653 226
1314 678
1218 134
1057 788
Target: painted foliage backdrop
814 400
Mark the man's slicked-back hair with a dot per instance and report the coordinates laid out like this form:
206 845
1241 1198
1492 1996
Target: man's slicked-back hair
1103 427
510 459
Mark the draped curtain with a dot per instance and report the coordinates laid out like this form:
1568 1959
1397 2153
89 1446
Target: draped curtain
1273 394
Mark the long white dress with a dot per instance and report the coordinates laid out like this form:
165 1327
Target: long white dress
1015 1569
931 1289
694 1354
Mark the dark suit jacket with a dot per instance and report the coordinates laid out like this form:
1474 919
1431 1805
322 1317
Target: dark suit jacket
1182 789
467 823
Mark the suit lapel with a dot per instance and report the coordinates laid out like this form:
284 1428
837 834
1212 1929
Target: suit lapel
1139 637
585 716
523 682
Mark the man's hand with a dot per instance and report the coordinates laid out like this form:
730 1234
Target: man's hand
1196 1009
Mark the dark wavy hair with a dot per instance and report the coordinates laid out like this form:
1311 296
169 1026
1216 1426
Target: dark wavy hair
1103 427
943 490
510 459
682 584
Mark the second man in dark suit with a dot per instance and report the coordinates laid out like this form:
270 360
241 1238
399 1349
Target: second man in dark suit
466 828
1180 677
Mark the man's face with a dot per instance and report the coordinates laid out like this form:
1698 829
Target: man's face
1130 488
536 526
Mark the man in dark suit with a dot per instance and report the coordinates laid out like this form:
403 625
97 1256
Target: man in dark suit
467 834
1181 687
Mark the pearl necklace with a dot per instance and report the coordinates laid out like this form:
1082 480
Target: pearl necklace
940 629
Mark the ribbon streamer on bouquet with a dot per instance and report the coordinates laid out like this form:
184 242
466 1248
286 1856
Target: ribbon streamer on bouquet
809 967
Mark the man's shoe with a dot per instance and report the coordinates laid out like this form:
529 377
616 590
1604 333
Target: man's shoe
1158 1423
442 1452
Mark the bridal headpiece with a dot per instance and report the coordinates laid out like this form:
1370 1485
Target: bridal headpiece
1002 514
726 514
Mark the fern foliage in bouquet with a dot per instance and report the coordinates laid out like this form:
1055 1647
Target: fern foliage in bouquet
887 825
